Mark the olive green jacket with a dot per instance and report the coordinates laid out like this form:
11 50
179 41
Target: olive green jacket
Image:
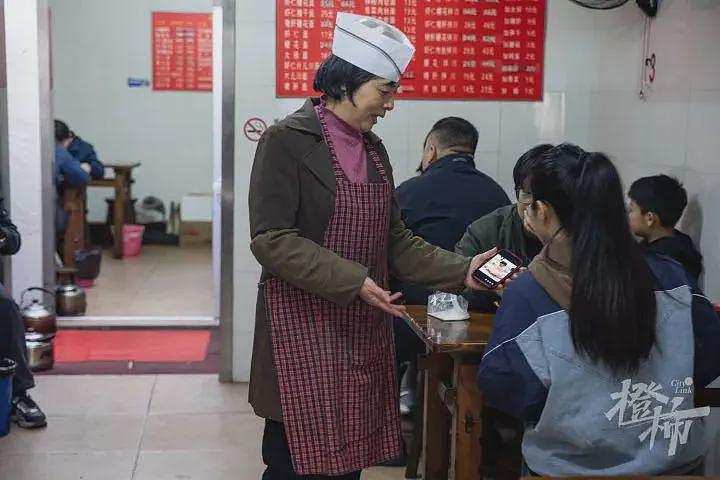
292 195
503 229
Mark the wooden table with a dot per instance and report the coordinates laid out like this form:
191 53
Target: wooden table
451 435
121 181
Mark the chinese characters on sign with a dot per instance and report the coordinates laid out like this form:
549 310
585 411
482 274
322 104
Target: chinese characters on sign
182 51
642 403
464 49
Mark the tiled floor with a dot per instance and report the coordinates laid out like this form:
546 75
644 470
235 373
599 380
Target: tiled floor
153 427
162 281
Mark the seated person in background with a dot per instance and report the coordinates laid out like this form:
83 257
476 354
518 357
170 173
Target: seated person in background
655 205
85 153
592 323
504 228
25 412
437 206
449 193
68 171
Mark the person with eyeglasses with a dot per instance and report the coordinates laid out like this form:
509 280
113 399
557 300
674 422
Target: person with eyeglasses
504 229
600 346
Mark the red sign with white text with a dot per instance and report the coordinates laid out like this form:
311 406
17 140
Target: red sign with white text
182 51
464 49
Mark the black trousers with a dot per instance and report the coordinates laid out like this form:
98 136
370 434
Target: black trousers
12 341
407 344
276 456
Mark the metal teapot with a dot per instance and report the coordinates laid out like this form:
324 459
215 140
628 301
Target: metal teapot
70 300
40 351
37 317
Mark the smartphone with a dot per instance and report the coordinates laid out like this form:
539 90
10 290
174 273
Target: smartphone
498 269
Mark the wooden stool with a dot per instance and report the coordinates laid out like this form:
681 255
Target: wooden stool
66 275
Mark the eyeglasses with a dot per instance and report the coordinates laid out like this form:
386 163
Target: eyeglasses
524 198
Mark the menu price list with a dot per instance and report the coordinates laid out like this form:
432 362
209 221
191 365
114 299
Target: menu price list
464 49
182 51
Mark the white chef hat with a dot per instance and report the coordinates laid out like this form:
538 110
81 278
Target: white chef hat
374 46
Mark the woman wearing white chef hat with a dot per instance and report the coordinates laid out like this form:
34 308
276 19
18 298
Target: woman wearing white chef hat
327 232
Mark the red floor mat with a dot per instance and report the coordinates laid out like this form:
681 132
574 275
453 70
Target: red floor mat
135 345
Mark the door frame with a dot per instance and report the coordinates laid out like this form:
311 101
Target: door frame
225 250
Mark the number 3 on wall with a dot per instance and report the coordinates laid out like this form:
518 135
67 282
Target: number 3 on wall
650 64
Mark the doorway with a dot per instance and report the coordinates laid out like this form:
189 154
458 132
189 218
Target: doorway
169 286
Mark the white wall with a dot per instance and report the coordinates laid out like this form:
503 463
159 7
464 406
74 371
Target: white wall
593 61
97 45
29 140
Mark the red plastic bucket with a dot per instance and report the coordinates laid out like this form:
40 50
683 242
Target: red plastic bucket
132 240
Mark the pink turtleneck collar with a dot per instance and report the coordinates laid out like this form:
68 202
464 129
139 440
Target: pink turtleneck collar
349 146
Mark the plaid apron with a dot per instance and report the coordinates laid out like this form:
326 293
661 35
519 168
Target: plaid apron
335 364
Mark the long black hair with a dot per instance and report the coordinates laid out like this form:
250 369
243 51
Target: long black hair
612 305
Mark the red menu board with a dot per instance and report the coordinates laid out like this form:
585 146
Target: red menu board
464 49
182 51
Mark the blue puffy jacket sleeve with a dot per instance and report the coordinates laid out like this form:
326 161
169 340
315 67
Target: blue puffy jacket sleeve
85 153
706 331
68 169
505 377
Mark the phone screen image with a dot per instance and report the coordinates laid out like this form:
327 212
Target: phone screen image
497 268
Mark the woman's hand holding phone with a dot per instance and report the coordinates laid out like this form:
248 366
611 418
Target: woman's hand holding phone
478 280
476 262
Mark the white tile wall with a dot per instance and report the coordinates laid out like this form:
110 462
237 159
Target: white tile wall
703 141
592 62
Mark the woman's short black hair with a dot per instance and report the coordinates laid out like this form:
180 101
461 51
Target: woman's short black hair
337 78
62 132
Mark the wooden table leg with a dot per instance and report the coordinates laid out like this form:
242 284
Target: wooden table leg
467 426
415 447
437 420
128 191
74 236
119 211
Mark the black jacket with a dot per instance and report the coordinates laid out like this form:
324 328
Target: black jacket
680 248
439 204
9 235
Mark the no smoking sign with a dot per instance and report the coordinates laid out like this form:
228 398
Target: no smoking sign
254 128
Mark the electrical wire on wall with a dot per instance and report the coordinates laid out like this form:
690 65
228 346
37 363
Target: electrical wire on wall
647 75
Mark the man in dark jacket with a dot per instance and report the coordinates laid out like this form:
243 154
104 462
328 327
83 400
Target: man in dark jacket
654 208
25 411
450 192
504 228
437 206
